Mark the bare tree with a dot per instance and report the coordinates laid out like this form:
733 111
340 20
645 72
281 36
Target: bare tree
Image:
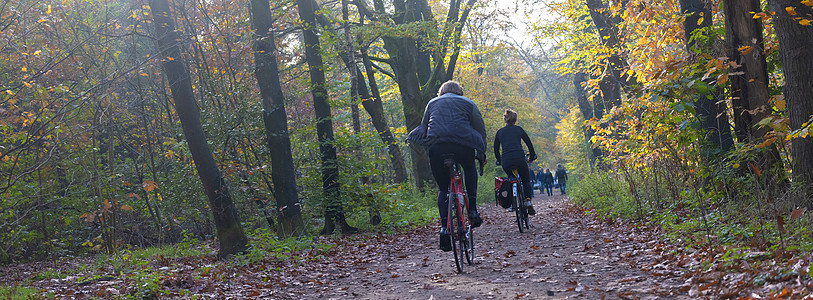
276 121
229 231
334 213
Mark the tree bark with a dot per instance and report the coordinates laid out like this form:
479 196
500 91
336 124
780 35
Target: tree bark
710 109
749 90
229 231
586 108
334 214
275 119
375 107
796 54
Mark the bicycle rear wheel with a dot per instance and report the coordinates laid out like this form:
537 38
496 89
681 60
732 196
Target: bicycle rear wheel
453 228
523 211
518 205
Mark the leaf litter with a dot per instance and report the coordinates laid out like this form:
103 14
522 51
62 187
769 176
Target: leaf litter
565 254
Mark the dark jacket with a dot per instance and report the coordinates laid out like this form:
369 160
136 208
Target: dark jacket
510 138
456 119
548 178
561 175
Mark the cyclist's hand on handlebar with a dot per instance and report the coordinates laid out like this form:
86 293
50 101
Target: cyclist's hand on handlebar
532 158
498 162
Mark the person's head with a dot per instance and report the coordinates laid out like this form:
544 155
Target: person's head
451 86
558 166
510 117
547 170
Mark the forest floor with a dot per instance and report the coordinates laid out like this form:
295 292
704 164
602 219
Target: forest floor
566 254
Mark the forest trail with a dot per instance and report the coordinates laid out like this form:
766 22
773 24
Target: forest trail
564 255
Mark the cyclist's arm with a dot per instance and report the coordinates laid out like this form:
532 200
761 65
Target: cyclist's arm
528 143
477 122
497 147
425 119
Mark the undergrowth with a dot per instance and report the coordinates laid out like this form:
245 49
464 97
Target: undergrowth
22 293
708 217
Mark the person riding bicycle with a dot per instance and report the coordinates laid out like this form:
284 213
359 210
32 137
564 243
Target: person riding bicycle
455 126
510 138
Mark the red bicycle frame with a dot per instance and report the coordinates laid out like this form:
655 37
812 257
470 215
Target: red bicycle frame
456 188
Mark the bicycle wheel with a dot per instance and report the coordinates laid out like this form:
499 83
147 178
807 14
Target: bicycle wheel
464 244
516 204
453 228
524 211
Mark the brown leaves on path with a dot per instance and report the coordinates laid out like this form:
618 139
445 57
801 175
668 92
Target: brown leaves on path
565 254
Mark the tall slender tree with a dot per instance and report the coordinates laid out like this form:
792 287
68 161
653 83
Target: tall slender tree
710 109
229 231
334 213
275 120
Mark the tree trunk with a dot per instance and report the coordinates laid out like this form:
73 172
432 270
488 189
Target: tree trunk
586 108
749 90
229 231
796 54
375 107
334 214
374 210
372 103
710 109
275 119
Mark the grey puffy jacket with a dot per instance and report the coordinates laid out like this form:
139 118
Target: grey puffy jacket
454 118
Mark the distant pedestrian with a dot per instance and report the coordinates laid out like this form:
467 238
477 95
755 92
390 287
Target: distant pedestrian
540 178
548 182
561 178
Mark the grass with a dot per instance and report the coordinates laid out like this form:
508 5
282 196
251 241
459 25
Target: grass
22 293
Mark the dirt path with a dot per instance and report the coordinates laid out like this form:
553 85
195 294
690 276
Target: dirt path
565 255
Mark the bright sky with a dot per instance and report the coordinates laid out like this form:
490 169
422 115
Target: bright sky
522 14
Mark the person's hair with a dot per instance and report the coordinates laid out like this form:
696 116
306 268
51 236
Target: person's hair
451 86
547 170
510 117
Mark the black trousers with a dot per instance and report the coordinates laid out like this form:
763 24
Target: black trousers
521 165
465 157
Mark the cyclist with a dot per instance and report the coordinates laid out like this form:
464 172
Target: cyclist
454 125
510 138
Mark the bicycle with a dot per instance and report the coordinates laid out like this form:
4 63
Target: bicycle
518 201
458 224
